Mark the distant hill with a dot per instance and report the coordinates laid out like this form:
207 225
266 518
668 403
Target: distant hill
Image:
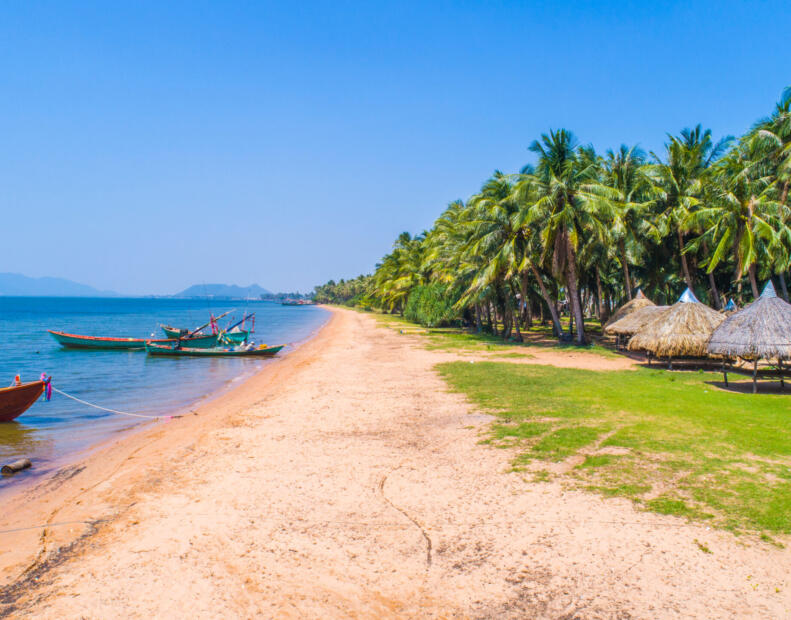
15 284
223 291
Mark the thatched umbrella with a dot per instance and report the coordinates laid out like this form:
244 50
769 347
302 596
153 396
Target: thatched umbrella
683 330
761 330
639 301
633 322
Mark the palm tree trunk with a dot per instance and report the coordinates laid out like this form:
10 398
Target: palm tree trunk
753 281
478 326
715 294
684 264
572 281
553 311
627 281
783 287
516 316
600 299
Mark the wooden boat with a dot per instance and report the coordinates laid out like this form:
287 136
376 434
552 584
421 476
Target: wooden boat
153 348
76 341
174 332
17 399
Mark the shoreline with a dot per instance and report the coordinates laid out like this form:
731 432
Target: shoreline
23 502
350 481
30 478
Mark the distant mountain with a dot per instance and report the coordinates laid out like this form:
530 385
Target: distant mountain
223 291
15 284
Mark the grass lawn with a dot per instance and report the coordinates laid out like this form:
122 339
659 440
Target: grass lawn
667 440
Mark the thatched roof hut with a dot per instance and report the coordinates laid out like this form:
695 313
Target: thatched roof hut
634 321
761 330
683 330
639 301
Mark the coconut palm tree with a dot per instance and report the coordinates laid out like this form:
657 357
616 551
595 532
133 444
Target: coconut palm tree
569 211
678 179
742 214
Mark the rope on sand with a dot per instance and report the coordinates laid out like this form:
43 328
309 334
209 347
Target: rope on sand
134 415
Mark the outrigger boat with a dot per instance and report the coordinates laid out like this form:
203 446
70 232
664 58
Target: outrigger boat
77 341
154 348
17 399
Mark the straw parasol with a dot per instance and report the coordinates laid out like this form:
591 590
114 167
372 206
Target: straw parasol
639 301
761 330
634 321
683 330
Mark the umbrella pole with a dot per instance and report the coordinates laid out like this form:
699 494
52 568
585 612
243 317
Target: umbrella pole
724 372
755 374
780 366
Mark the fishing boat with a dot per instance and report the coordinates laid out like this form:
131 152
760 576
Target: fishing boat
77 341
17 399
173 332
153 348
232 334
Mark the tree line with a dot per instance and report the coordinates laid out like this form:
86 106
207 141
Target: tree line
579 232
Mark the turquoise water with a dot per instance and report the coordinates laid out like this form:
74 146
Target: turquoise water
51 432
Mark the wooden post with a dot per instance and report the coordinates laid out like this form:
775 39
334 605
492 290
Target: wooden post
780 366
670 363
725 372
755 374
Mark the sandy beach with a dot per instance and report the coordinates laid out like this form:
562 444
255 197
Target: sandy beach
344 480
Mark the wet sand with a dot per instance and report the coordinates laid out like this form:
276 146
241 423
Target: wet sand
345 481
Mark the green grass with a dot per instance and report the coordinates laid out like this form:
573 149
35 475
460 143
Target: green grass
459 339
669 441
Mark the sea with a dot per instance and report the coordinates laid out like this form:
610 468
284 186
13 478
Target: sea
55 432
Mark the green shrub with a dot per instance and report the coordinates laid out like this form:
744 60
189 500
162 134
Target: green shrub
431 305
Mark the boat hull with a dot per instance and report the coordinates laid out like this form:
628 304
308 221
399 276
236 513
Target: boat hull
17 399
170 351
76 341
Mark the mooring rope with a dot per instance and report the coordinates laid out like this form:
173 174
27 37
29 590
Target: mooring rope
135 415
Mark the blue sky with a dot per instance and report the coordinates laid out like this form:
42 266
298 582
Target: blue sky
148 146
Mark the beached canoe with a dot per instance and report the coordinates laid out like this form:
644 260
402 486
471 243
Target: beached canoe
153 348
17 399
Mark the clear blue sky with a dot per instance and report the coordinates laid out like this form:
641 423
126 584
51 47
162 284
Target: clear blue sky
147 146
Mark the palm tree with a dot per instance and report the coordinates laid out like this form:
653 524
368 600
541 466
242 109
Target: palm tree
678 179
773 136
560 174
740 218
628 188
